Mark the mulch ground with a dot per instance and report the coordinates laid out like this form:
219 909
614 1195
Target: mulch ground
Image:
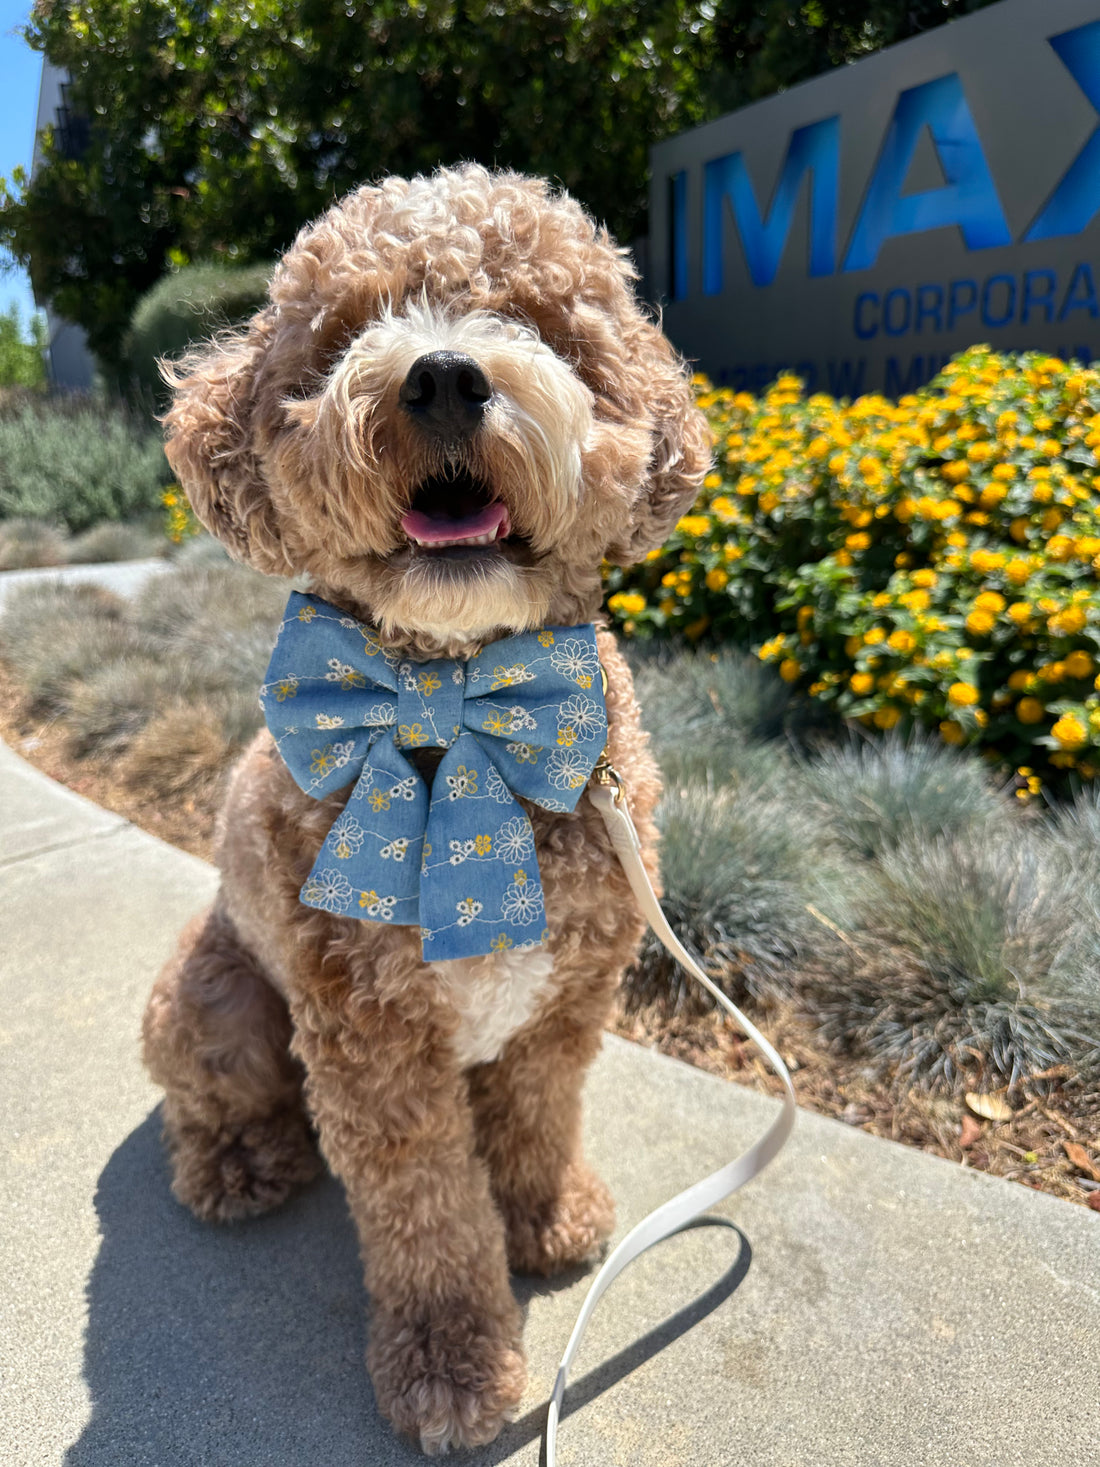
1049 1139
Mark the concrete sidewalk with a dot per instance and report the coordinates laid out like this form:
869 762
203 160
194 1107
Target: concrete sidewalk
869 1307
124 577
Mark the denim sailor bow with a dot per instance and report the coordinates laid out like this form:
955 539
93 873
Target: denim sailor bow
525 715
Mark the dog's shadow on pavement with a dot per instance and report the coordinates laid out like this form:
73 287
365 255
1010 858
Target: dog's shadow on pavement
243 1346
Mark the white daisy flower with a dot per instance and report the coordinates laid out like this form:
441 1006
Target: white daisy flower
396 850
346 835
330 890
576 660
467 910
567 770
522 902
581 715
496 787
515 841
329 720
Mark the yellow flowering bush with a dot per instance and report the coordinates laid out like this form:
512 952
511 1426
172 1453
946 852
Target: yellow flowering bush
179 521
928 561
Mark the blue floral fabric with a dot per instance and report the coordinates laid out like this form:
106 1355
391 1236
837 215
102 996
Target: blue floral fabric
526 715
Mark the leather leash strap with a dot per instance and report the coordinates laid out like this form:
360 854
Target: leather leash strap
607 795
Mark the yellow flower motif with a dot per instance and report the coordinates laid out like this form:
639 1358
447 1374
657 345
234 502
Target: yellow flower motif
367 898
497 724
567 737
411 736
861 683
520 878
501 943
379 800
483 844
323 760
1020 612
902 640
695 525
926 578
307 613
287 688
428 683
963 695
716 579
371 644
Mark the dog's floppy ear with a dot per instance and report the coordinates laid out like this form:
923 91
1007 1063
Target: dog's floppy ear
211 443
681 452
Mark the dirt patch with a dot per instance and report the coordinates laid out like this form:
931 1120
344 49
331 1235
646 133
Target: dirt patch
1050 1141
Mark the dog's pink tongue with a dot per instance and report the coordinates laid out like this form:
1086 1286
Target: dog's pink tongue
432 529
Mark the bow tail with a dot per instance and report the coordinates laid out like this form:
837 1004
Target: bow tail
369 865
480 891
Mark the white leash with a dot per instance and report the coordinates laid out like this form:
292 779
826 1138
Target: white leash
607 795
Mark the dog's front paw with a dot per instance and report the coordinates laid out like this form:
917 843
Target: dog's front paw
569 1229
239 1172
450 1377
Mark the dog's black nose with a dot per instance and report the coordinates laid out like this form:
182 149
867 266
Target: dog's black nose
447 393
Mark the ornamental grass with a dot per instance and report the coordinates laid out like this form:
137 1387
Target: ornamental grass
930 562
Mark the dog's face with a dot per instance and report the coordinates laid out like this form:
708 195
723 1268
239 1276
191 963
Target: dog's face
452 411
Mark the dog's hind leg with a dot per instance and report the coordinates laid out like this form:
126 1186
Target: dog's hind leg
216 1036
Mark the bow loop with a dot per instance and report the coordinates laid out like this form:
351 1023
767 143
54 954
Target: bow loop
525 716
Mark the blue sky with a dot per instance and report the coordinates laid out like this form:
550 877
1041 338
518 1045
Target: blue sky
20 68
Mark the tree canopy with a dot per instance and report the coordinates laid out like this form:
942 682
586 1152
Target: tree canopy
214 131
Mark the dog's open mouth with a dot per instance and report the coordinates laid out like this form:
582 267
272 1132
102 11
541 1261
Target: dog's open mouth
453 514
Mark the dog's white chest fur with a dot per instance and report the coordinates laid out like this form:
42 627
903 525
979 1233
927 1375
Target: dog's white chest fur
494 996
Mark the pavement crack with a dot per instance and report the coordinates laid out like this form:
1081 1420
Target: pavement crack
64 845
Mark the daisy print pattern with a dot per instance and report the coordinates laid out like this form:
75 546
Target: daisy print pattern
522 902
515 841
346 711
568 769
346 836
330 890
579 661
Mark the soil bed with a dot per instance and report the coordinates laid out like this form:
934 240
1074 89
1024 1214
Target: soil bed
1051 1142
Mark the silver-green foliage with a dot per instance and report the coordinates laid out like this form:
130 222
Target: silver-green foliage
77 463
880 794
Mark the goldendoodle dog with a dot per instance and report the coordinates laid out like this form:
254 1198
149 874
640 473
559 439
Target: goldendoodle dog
450 413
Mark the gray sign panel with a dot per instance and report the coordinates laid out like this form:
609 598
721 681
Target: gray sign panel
865 226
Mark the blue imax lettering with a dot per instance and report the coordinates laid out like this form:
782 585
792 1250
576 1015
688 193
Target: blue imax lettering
968 200
1042 296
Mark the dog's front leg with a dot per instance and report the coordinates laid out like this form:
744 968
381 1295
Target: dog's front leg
445 1352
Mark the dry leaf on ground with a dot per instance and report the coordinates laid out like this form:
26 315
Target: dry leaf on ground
989 1107
1081 1159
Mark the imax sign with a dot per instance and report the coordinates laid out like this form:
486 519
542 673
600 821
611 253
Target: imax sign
863 227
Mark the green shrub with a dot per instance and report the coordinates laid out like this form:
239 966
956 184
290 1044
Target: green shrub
185 307
78 462
109 541
25 543
932 561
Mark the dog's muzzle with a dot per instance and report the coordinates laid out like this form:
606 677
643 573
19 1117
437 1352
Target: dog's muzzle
446 394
